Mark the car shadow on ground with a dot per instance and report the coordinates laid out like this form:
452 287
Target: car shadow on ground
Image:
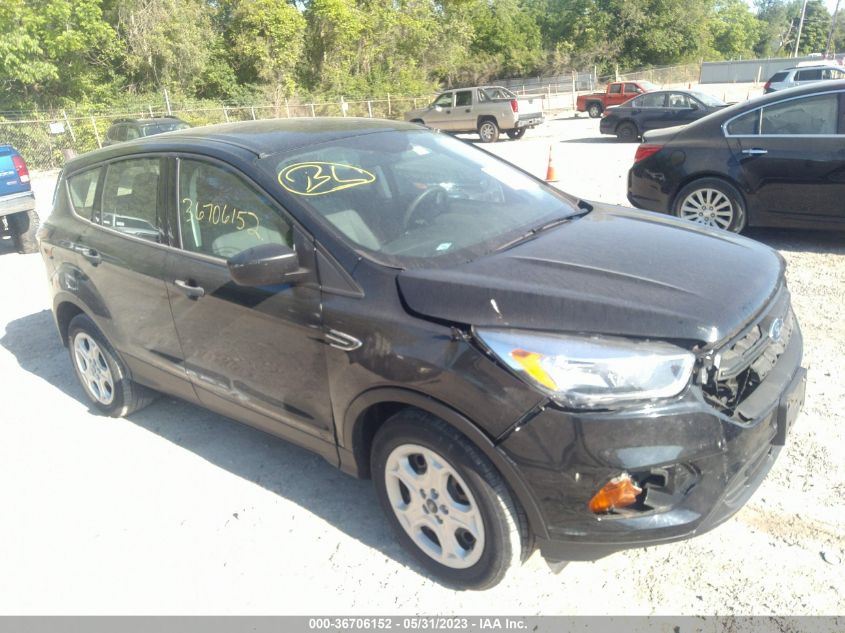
349 504
798 240
606 139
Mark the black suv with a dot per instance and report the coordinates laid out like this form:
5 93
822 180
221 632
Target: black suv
130 129
512 366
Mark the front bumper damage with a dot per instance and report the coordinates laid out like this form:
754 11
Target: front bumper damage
696 465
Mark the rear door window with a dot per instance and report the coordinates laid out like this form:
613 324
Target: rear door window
615 89
812 74
131 197
811 115
463 98
653 100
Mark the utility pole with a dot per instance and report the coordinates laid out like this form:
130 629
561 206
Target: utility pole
832 29
800 26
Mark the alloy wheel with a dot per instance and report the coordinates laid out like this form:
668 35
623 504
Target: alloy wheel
93 368
709 207
434 506
487 132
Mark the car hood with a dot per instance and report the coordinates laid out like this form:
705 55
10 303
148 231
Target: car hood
415 114
614 271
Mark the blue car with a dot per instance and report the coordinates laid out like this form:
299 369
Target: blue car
17 202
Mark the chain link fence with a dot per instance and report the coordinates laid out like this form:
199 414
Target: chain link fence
47 139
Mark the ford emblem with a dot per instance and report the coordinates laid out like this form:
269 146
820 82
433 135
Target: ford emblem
776 329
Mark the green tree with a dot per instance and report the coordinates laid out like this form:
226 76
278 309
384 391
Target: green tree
166 42
266 39
54 52
736 30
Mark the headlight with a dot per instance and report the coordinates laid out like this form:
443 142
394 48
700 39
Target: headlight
592 372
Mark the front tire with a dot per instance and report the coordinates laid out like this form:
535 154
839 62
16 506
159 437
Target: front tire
488 131
711 202
448 505
594 110
23 227
517 134
101 373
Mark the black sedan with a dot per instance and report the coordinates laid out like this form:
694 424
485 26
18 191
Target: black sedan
655 110
778 160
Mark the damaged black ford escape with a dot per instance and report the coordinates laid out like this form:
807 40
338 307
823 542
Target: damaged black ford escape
513 367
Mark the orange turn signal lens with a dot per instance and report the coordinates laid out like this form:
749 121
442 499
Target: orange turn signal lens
530 362
619 492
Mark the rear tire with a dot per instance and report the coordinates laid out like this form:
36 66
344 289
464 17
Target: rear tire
627 132
711 202
433 484
23 227
594 110
517 134
101 373
488 131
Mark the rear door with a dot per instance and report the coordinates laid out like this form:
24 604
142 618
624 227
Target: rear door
258 352
122 255
464 111
792 155
649 110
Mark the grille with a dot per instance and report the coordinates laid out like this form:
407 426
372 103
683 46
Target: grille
744 363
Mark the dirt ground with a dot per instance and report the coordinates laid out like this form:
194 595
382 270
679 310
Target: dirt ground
178 510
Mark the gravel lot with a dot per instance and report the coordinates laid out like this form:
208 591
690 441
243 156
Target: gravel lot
178 510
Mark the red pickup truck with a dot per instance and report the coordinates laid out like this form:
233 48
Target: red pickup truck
617 92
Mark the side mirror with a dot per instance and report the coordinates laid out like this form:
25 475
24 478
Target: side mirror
264 265
693 105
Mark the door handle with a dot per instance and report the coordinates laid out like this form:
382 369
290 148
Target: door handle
755 151
92 255
190 289
448 112
468 110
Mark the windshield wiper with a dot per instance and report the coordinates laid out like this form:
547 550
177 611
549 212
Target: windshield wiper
539 229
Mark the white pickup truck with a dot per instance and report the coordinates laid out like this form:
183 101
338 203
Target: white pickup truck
488 110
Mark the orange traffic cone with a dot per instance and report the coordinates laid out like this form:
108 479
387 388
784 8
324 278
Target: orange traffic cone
551 176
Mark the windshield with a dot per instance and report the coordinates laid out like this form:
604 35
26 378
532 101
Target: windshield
159 128
710 102
412 198
647 85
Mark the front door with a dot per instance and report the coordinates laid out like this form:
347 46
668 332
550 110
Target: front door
439 116
794 160
254 353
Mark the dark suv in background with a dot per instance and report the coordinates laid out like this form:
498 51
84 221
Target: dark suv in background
514 367
17 202
130 129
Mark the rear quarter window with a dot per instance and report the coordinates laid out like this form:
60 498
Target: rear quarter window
83 191
778 77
